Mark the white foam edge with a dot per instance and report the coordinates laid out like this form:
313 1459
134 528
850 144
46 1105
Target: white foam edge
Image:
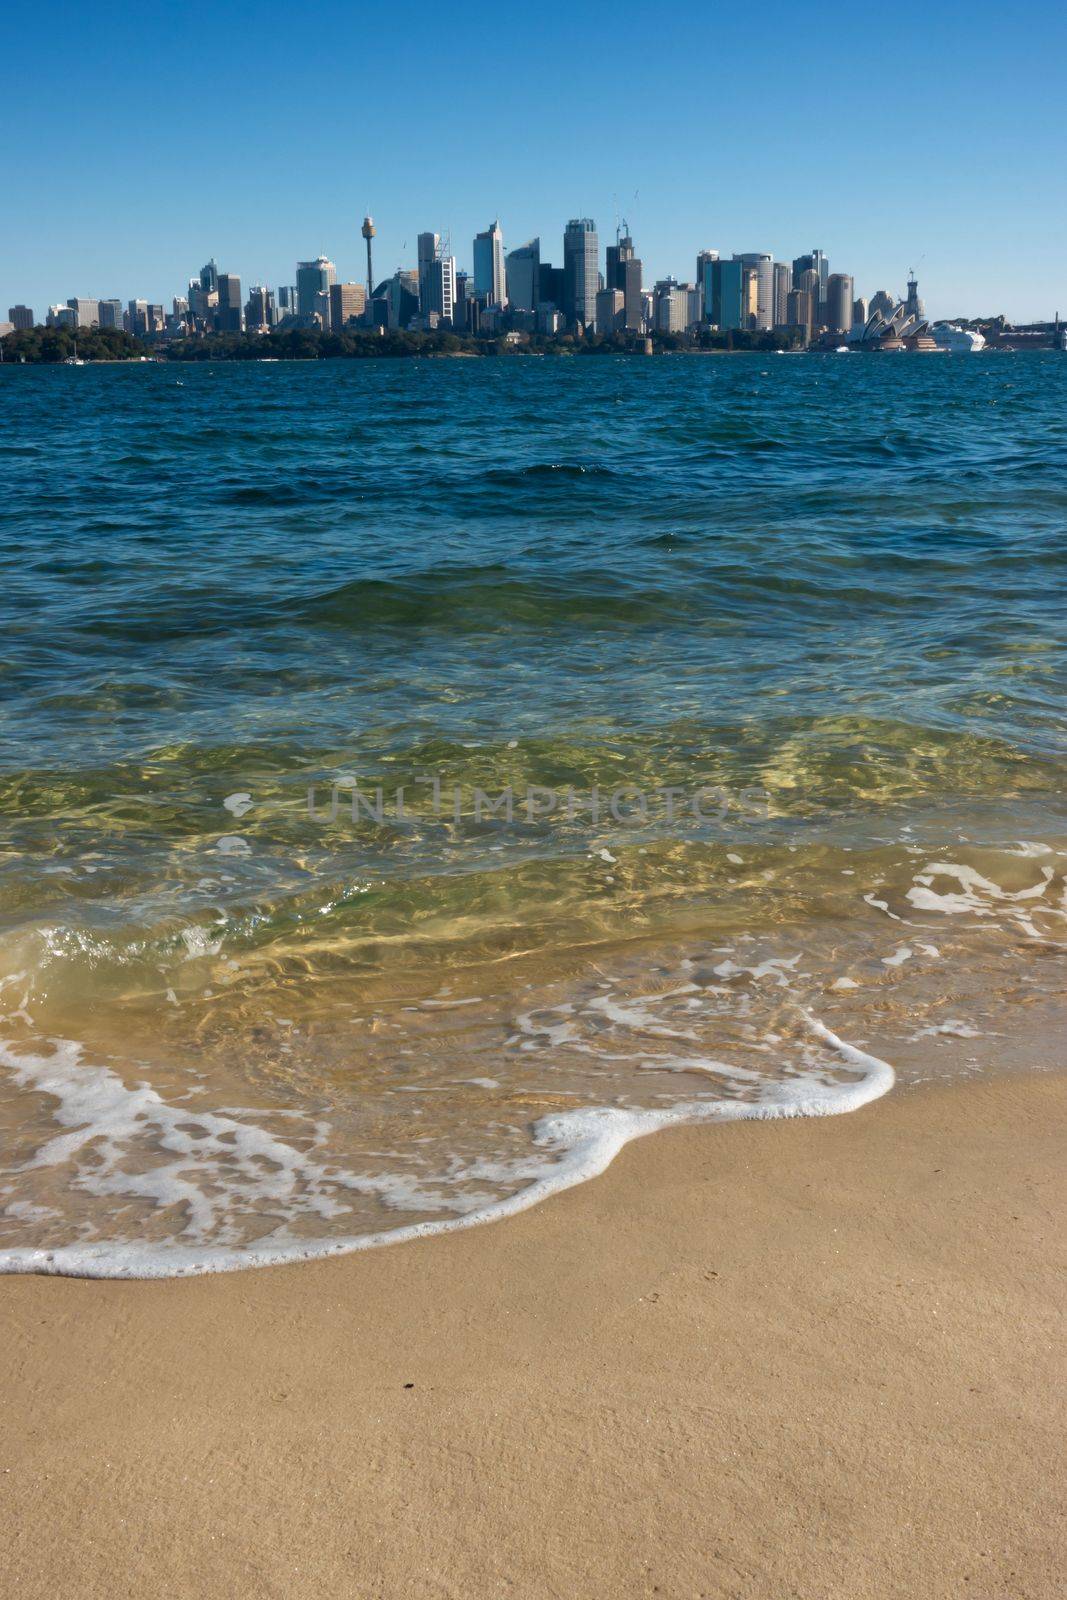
589 1139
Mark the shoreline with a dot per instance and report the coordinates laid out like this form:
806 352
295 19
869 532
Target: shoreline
812 1357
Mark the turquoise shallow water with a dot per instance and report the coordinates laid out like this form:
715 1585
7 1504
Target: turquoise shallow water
827 591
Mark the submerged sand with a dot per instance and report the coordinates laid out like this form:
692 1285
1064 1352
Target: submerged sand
812 1359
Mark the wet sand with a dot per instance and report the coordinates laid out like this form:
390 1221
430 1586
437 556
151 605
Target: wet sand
811 1359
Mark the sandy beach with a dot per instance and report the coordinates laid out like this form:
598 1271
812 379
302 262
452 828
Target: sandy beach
805 1358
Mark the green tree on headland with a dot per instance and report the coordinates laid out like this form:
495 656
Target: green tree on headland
52 345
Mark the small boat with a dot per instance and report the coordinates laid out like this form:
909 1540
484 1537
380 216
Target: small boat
75 360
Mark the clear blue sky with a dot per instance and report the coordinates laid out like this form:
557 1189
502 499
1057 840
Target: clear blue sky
140 140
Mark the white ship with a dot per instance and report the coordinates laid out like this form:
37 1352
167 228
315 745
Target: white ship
960 341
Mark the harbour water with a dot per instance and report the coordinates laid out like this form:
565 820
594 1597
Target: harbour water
419 777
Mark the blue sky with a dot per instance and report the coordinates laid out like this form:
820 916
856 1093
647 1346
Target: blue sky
139 141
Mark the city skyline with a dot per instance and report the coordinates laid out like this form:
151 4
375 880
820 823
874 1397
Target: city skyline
766 137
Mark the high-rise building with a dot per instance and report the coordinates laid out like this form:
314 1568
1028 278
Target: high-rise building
428 246
550 286
758 279
723 295
839 288
581 252
882 304
138 317
490 275
798 311
912 305
313 278
286 300
672 306
86 313
704 258
523 276
860 312
111 314
230 315
623 271
61 317
20 317
348 302
209 277
610 308
259 311
437 278
814 262
809 284
783 283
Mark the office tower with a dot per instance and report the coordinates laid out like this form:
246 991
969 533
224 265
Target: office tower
809 285
229 317
137 311
550 285
20 317
436 278
839 288
703 257
882 304
209 277
259 312
695 305
783 282
815 262
111 314
429 244
368 231
157 322
348 301
461 311
286 300
671 306
860 312
798 311
86 313
723 294
610 308
61 317
758 281
523 276
313 278
623 271
581 276
490 278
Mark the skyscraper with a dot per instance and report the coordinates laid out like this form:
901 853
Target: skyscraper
437 278
428 246
230 315
523 276
815 262
490 278
759 278
783 283
347 304
581 253
622 270
21 317
839 289
723 294
86 313
312 278
111 314
259 312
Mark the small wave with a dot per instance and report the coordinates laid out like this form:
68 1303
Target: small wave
240 1164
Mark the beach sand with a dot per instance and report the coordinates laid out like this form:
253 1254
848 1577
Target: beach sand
795 1359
